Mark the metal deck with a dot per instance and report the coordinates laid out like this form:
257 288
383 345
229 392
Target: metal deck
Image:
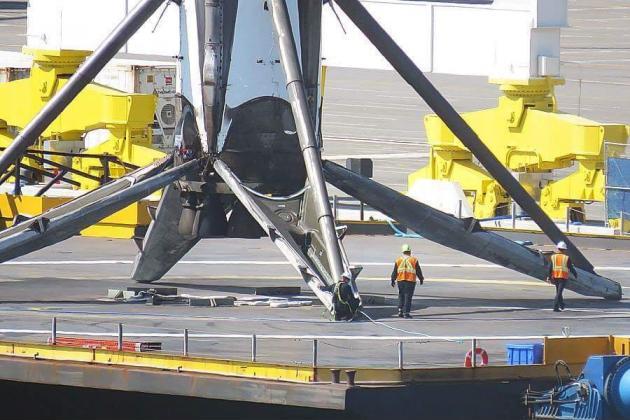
462 296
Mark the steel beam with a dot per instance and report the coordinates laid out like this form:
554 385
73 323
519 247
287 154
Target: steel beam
56 225
79 80
418 81
279 235
461 234
212 68
306 135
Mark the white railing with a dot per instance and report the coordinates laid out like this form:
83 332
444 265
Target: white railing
187 336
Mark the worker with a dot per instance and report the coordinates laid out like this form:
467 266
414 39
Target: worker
559 270
406 269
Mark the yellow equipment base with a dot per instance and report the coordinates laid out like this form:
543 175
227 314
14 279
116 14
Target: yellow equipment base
120 225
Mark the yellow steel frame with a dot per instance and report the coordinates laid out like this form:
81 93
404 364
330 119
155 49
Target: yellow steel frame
528 134
126 117
160 361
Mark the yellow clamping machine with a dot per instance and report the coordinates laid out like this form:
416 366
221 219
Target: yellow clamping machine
528 134
100 121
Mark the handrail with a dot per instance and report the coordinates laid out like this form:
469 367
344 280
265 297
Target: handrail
112 158
105 159
300 337
186 336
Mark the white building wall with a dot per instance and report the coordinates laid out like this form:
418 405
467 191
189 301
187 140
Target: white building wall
503 40
500 40
83 24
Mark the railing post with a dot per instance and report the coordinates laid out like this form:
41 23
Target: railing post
53 331
186 342
315 353
400 355
474 353
621 223
120 337
17 188
335 373
105 163
513 215
253 347
361 210
459 209
568 222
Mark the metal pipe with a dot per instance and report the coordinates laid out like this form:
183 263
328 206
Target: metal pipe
418 81
212 65
50 183
34 152
120 337
17 188
465 235
306 135
105 164
44 173
79 80
315 353
400 355
568 220
253 347
44 161
474 353
5 176
63 226
293 337
513 215
53 331
185 342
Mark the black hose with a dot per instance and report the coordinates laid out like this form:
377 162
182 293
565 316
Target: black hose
556 368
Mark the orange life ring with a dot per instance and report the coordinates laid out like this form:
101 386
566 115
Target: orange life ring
478 352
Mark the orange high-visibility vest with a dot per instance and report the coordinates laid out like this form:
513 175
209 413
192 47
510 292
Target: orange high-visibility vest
406 268
560 266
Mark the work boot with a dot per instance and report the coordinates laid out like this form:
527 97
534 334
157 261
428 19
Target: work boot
562 307
400 314
408 316
556 310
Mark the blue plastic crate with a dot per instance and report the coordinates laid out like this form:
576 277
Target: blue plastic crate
524 354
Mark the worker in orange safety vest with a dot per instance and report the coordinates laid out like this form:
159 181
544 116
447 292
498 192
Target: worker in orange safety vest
559 270
406 269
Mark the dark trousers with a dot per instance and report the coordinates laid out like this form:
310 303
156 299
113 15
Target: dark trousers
558 302
405 293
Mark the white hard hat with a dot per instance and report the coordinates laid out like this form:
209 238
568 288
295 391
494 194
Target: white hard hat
561 245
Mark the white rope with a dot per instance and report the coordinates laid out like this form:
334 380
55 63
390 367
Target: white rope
383 324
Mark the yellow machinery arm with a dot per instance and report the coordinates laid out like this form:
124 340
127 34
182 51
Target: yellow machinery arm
532 138
124 120
99 121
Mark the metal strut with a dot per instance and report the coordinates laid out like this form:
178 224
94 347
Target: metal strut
279 235
306 135
79 80
418 81
67 220
462 234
